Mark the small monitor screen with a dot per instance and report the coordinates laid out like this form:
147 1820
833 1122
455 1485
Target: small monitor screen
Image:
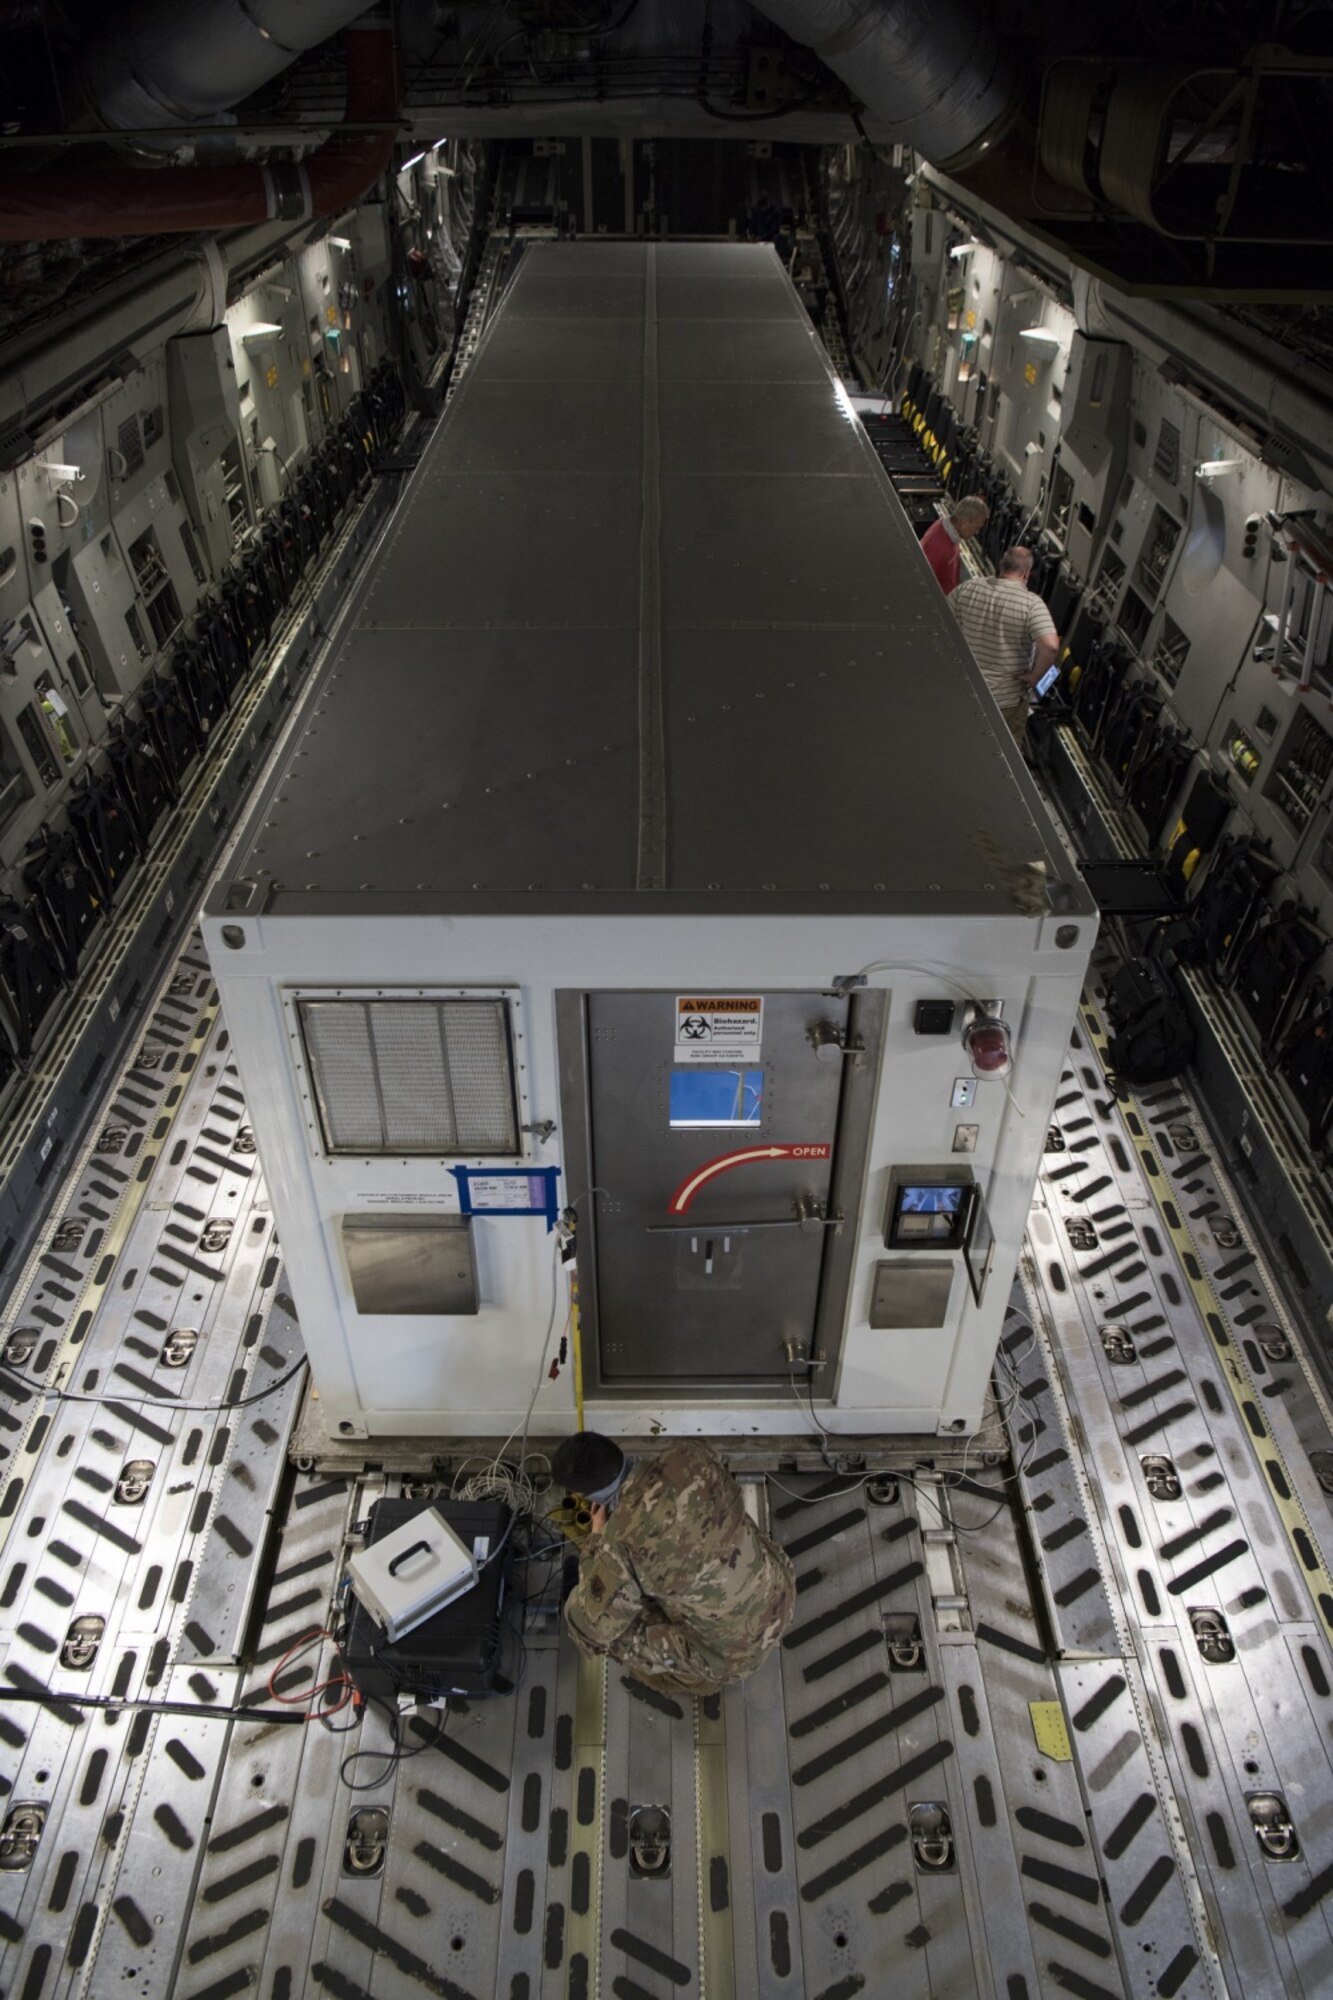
1047 681
930 1201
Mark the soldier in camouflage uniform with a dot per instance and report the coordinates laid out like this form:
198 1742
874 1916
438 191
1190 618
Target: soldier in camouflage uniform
676 1583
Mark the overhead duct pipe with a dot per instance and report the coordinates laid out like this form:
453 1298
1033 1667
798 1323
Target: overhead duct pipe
931 71
165 63
149 201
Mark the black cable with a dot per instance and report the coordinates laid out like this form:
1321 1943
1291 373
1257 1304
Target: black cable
868 142
113 1704
954 1481
826 1437
166 1402
392 1758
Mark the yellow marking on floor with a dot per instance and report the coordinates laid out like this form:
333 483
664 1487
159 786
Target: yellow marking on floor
1281 1487
1049 1732
583 1930
717 1965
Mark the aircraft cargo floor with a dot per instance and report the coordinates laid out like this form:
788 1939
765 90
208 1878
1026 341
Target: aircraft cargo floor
1054 1717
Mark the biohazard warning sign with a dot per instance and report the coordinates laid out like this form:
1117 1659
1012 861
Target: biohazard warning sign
719 1028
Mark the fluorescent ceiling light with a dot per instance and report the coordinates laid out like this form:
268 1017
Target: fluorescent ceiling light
1215 468
263 329
962 249
1039 333
408 165
341 242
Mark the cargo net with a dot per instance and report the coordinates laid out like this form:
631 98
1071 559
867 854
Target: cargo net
412 1076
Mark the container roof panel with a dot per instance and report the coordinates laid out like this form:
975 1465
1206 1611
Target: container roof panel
649 620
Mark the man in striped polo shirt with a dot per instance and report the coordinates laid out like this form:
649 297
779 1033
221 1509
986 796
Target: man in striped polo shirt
1010 631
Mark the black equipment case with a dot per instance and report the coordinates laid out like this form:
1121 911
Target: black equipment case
457 1651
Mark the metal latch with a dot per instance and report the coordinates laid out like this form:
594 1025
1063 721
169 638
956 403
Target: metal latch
21 1346
650 1841
19 1837
883 1490
902 1636
1082 1235
367 1840
1118 1345
244 1142
112 1139
932 1838
1273 1342
1212 1636
1272 1826
134 1481
1162 1478
215 1236
69 1233
82 1641
179 1346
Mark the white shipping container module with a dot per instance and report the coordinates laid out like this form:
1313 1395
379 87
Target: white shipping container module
649 850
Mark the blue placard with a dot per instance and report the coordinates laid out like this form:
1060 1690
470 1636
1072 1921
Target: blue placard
508 1191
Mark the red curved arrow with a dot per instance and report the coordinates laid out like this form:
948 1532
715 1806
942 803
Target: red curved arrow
690 1187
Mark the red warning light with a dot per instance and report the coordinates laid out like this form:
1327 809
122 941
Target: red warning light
987 1044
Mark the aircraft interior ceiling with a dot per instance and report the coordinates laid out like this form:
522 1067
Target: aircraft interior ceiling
463 648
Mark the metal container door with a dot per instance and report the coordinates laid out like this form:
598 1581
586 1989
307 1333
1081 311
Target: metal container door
714 1129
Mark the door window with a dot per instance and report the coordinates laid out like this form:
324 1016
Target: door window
716 1097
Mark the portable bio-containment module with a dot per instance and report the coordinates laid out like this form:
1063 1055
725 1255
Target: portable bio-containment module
649 855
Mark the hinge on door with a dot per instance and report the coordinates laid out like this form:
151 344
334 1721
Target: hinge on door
809 1208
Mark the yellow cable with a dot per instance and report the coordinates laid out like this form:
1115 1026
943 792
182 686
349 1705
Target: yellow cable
576 1338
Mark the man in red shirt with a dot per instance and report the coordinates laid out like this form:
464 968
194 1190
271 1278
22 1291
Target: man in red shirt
941 540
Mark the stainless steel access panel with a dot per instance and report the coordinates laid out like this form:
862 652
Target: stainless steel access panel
715 1240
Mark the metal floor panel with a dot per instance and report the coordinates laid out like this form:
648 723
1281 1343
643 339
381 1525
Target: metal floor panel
997 1757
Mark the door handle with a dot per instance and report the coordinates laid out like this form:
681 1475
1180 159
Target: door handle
808 1208
712 1228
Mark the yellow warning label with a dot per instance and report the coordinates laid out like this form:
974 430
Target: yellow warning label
731 1005
1049 1731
